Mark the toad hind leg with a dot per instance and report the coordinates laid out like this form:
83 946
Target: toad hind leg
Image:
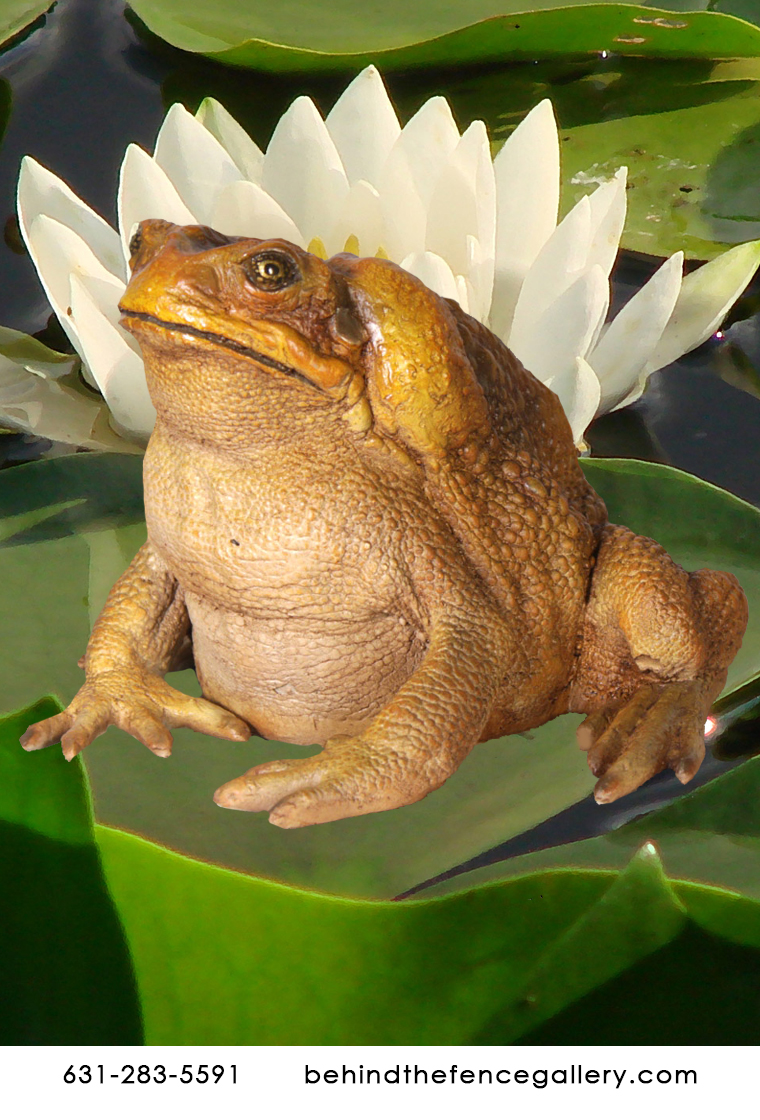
657 645
409 749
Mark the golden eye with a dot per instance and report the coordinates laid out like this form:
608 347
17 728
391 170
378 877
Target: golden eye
271 271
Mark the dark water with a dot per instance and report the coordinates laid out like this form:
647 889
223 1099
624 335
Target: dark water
83 83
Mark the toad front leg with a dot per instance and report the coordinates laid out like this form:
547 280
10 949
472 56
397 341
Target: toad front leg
409 749
656 649
136 639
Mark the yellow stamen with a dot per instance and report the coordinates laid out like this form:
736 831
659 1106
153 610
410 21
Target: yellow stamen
317 247
352 244
381 253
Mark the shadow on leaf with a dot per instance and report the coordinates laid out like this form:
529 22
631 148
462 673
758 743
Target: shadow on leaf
67 972
68 975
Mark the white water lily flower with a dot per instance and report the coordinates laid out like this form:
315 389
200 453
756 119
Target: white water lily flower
479 230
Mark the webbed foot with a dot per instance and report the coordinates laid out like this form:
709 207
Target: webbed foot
142 704
661 726
348 778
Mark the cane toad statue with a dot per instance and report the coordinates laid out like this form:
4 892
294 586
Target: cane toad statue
368 523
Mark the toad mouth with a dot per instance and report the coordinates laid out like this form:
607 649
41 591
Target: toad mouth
218 340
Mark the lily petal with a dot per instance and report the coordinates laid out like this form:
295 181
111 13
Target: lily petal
360 218
578 390
479 275
433 271
42 192
428 141
47 408
244 209
58 253
527 200
462 212
566 328
466 297
304 173
608 205
704 300
629 341
105 294
403 212
145 191
194 160
452 216
558 265
117 369
476 137
245 153
364 126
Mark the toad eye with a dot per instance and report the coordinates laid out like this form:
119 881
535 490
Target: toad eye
271 271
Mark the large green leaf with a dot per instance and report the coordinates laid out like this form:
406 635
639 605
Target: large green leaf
692 170
51 585
67 973
295 35
225 959
15 15
652 963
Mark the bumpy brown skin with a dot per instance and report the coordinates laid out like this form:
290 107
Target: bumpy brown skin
371 521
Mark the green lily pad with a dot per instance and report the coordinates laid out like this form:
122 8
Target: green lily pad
67 973
15 15
54 575
297 36
226 959
98 491
692 170
223 958
698 986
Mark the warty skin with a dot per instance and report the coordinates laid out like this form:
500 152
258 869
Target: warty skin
368 529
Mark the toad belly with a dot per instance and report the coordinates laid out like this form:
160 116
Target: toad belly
297 680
